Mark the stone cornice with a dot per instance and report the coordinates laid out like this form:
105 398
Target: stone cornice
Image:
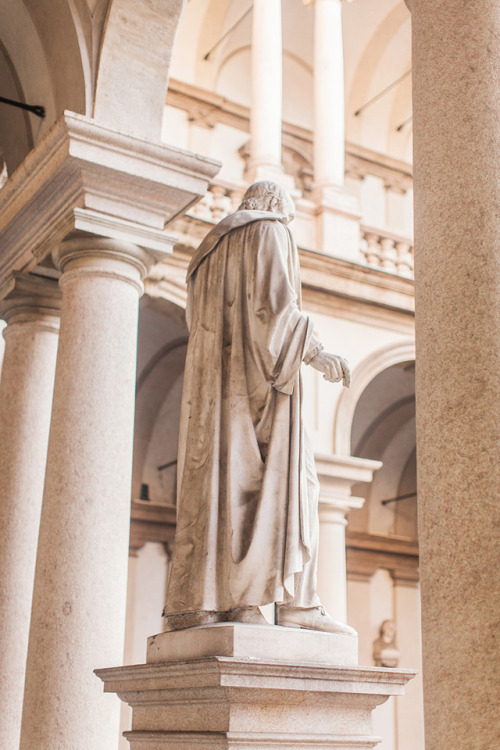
207 108
81 165
366 553
326 281
344 279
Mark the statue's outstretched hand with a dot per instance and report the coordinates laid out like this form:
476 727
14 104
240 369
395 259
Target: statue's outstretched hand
333 367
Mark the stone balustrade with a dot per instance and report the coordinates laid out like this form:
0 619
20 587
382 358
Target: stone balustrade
379 248
387 251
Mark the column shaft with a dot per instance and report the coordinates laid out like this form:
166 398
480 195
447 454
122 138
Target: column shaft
79 599
265 116
332 581
26 391
329 144
456 74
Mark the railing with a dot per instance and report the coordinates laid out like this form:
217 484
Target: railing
219 201
387 251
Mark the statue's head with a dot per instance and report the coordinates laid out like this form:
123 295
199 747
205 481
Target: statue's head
388 631
268 196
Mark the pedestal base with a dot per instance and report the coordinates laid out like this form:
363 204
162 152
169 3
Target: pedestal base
248 702
261 642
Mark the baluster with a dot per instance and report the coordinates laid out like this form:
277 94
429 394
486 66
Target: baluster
220 207
372 250
404 259
388 255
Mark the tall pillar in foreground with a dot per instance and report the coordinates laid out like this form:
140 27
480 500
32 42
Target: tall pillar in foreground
31 311
78 614
265 114
456 80
336 475
338 216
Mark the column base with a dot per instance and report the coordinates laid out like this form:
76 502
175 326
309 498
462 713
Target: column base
272 687
337 222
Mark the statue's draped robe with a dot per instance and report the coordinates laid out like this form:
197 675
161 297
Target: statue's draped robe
247 491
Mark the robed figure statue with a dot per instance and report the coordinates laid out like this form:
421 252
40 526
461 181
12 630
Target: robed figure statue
247 524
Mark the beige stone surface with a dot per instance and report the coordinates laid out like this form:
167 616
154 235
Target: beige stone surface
254 642
456 74
243 446
337 474
32 313
88 168
78 613
225 702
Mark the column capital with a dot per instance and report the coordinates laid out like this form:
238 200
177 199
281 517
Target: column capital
111 258
81 166
336 475
31 299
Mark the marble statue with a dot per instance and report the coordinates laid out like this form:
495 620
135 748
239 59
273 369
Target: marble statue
247 526
385 653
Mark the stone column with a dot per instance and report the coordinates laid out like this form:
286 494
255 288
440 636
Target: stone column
79 600
337 212
456 82
265 114
336 475
329 146
31 311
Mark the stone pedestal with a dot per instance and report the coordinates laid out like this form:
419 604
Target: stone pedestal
249 687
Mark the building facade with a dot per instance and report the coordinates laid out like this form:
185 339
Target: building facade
158 114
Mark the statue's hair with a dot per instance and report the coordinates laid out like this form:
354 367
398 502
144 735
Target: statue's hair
265 196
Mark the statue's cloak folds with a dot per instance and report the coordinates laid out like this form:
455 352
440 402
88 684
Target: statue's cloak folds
243 526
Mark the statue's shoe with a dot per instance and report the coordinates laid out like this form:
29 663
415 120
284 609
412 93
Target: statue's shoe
315 618
249 615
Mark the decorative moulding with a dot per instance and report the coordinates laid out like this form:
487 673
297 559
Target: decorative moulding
111 176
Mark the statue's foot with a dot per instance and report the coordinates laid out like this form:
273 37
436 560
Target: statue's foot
315 618
250 615
186 620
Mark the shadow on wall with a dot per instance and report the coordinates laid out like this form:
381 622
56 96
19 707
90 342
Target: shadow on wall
383 429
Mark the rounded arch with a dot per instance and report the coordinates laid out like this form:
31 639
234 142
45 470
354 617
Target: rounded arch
153 388
363 374
134 62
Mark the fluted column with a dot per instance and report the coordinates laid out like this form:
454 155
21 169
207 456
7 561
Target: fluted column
31 311
329 146
266 106
336 476
456 95
78 614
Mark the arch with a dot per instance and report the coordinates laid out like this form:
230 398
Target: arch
363 374
157 379
134 62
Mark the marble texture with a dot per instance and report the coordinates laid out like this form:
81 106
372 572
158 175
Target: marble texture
31 310
456 75
247 525
254 642
243 703
337 475
79 597
86 167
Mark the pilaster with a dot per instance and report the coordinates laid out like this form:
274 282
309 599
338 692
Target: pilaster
337 474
